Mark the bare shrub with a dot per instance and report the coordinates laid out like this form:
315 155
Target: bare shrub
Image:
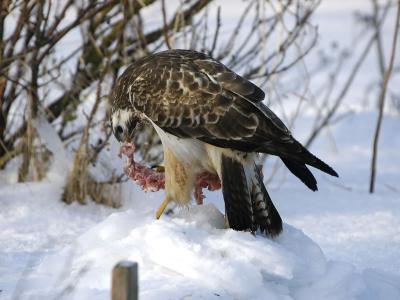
53 54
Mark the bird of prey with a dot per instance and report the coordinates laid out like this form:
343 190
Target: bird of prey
212 120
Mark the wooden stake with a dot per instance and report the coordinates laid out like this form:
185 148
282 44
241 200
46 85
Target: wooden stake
125 281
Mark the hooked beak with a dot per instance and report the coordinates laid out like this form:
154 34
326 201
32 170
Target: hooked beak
128 136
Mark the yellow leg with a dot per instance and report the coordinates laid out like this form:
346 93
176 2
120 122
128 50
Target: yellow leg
162 207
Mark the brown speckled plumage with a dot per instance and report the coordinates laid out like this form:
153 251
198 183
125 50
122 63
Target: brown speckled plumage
193 101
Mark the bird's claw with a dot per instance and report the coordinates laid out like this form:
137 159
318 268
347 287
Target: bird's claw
158 168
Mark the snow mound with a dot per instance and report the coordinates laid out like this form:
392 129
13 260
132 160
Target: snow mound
192 256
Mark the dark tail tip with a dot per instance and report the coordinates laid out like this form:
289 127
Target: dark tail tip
325 168
301 171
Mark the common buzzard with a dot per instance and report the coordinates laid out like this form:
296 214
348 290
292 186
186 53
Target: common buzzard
211 120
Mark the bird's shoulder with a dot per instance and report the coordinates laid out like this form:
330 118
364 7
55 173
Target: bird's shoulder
191 94
187 70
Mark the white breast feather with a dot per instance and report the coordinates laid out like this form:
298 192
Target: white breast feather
121 117
187 150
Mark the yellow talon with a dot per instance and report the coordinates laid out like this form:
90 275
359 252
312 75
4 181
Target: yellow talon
162 207
158 168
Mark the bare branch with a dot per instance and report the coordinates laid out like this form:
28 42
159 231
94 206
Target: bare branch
382 95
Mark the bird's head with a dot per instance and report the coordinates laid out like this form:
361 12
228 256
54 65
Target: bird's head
124 124
125 119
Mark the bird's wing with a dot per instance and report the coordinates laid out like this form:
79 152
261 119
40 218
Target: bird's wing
197 97
190 95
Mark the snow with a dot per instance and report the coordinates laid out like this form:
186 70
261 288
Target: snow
189 254
33 225
338 243
342 243
366 226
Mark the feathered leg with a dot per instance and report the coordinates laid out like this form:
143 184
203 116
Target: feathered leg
162 207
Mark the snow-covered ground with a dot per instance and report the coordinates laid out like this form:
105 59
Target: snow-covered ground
342 243
338 243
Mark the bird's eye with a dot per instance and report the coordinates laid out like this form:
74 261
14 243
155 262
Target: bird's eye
119 130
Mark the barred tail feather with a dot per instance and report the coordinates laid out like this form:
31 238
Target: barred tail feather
247 203
266 216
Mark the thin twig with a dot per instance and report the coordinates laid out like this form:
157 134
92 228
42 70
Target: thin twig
382 95
165 25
